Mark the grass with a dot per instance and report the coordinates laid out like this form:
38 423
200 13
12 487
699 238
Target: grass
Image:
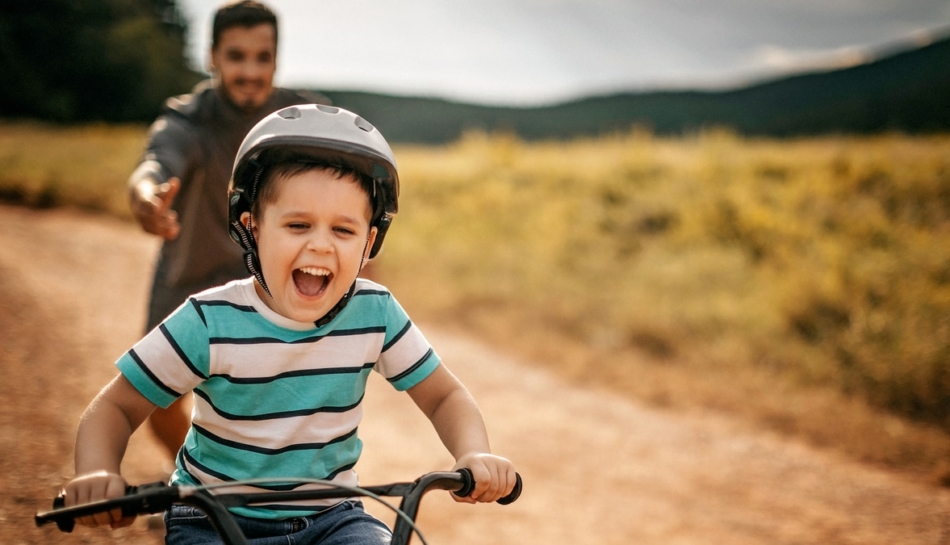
801 285
82 166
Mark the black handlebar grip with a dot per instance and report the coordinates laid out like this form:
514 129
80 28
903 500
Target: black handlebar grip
515 492
67 525
64 525
468 485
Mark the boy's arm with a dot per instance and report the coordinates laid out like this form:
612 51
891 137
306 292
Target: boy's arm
104 431
456 418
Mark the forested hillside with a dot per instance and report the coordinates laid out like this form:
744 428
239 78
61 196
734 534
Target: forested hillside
905 91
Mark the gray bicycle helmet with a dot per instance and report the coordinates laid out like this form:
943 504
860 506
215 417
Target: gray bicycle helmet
324 134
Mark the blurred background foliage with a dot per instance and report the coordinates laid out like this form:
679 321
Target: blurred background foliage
82 60
824 260
803 283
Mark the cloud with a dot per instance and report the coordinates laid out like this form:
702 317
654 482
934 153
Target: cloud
773 58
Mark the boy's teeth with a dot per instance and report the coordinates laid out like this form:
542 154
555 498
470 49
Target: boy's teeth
315 271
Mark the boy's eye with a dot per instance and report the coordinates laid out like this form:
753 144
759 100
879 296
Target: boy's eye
344 230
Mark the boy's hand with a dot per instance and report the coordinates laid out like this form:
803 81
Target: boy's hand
494 477
96 486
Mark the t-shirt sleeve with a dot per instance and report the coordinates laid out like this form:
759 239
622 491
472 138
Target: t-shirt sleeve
172 359
407 357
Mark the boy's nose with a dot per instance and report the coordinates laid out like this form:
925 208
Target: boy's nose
320 241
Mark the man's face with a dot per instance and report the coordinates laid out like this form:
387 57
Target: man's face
245 60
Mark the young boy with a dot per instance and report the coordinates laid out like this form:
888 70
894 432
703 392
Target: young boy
279 362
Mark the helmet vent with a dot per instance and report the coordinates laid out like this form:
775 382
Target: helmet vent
289 113
364 124
328 109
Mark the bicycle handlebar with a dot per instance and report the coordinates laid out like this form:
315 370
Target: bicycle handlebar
157 497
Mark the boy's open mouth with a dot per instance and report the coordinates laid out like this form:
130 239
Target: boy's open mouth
312 281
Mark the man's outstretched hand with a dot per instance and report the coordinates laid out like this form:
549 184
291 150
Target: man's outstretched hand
151 206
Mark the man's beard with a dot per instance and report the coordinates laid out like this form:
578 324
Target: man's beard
248 105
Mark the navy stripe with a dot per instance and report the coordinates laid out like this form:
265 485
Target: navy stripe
223 303
398 336
138 361
181 353
306 340
197 307
415 366
370 292
271 416
261 450
296 374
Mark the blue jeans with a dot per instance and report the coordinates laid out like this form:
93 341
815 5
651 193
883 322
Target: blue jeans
344 524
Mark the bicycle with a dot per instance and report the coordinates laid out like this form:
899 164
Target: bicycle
157 497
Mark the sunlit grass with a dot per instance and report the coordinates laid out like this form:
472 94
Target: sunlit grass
728 263
827 257
84 166
802 283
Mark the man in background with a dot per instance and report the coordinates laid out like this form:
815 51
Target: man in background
178 190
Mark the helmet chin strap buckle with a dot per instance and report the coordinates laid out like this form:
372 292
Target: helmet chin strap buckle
329 316
253 264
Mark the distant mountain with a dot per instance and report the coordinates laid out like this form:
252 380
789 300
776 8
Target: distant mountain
906 91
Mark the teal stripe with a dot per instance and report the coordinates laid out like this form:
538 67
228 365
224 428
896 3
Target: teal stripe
226 321
395 315
317 461
287 394
152 391
191 337
423 370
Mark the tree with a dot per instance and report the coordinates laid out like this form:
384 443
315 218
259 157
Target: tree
82 60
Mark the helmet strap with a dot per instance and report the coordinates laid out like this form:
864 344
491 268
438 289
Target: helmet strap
252 262
329 316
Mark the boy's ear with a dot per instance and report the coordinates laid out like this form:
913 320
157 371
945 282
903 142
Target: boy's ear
246 222
370 240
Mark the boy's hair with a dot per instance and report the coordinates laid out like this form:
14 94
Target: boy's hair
245 13
267 192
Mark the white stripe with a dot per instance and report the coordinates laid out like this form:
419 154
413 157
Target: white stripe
332 352
405 353
164 362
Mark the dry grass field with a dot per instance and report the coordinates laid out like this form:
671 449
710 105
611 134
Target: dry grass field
800 285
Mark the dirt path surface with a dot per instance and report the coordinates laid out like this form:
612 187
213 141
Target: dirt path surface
597 468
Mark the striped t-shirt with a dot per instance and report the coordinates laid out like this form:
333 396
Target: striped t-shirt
274 397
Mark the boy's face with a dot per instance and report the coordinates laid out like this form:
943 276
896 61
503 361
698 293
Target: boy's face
245 60
311 240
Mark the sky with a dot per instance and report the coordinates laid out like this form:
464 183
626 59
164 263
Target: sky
535 52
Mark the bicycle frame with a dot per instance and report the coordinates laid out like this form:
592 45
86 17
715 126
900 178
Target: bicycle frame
157 497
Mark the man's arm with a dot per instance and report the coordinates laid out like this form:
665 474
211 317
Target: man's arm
158 177
456 418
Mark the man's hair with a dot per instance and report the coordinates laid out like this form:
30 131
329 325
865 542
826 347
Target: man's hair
245 13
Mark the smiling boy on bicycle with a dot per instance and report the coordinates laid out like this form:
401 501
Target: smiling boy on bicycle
279 361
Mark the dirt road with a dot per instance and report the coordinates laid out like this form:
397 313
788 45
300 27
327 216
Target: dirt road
597 468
